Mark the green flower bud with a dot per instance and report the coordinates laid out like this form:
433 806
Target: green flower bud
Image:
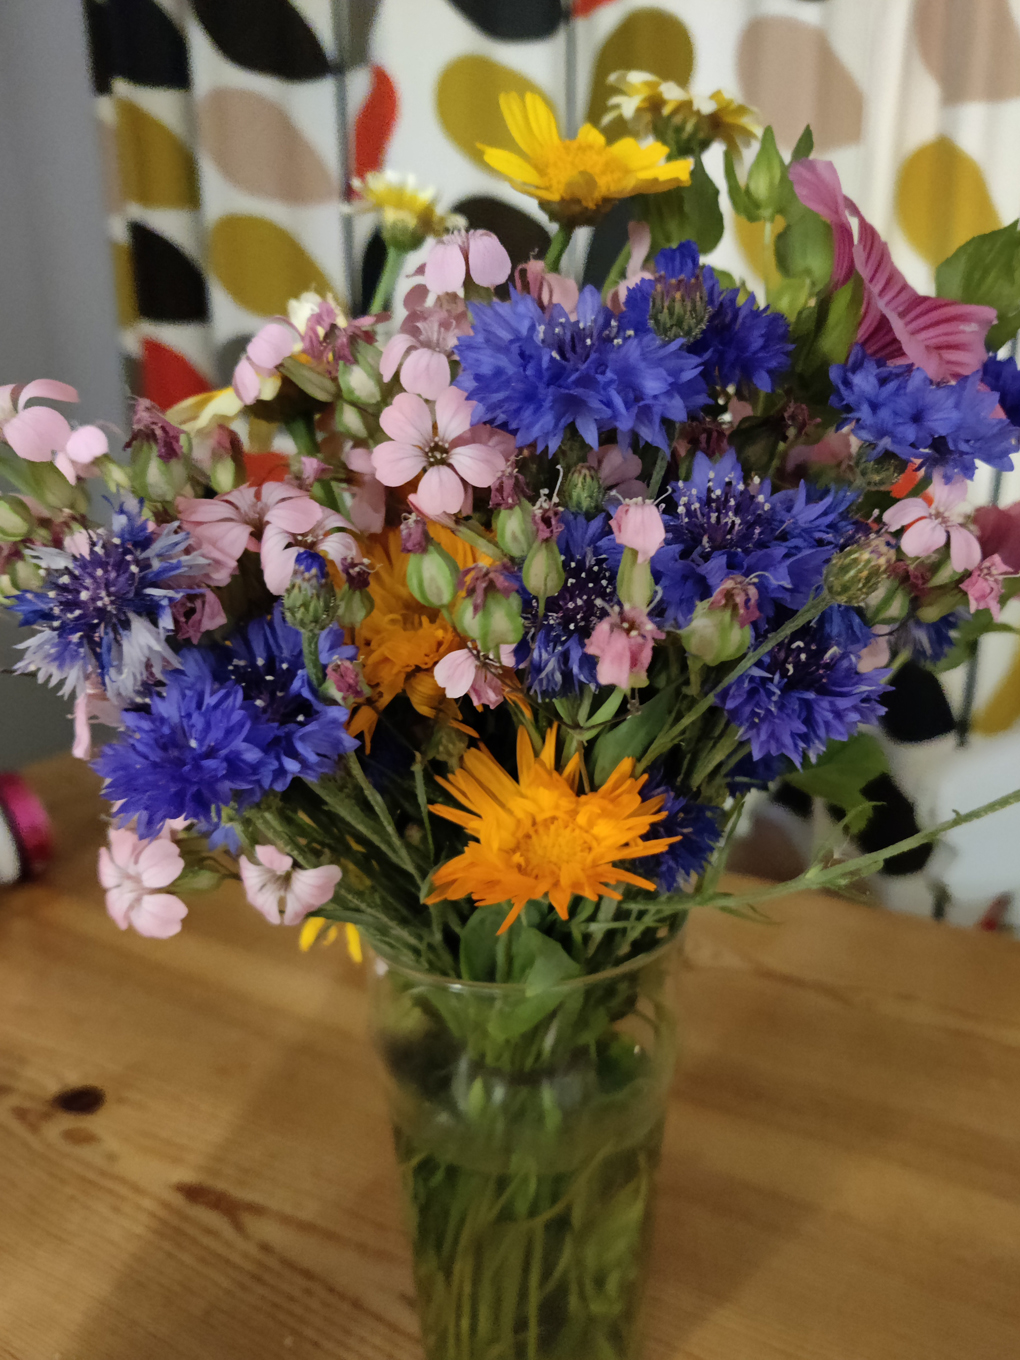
310 601
679 308
943 602
583 490
25 575
889 608
49 485
432 576
634 583
715 635
222 475
543 571
854 574
497 624
765 177
153 479
515 529
16 520
876 474
349 420
353 607
359 386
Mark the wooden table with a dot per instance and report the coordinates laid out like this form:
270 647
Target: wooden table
841 1178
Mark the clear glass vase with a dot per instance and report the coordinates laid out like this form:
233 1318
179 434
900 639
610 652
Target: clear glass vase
527 1130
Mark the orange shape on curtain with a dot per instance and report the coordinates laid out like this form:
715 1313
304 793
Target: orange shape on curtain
375 122
583 7
167 377
265 467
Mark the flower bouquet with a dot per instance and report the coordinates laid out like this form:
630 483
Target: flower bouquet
473 640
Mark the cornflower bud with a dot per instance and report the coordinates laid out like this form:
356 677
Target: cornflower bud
679 308
854 574
310 601
583 490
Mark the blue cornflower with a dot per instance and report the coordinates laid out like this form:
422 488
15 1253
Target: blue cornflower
553 646
1003 377
945 427
741 344
234 722
104 606
804 693
698 827
725 526
534 373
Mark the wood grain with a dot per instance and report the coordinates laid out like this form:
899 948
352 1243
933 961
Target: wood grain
841 1178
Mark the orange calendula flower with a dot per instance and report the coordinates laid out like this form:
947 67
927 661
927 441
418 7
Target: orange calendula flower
537 837
578 179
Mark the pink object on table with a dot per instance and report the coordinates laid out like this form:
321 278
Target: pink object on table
27 847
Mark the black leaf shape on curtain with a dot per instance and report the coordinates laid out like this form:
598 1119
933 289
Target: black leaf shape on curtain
523 237
512 20
137 40
268 36
607 240
169 286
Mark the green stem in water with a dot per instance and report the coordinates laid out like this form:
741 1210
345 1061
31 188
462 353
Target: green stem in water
557 246
387 279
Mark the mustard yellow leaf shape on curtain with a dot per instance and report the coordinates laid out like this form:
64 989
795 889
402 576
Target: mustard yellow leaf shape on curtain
260 264
648 39
156 169
942 200
759 255
467 101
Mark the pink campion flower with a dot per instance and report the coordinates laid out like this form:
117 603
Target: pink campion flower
39 434
623 643
999 532
132 871
223 527
421 349
255 374
467 671
898 324
931 524
285 895
197 613
478 255
548 289
619 470
984 585
280 546
638 525
327 333
449 453
740 595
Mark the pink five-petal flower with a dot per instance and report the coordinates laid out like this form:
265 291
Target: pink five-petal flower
267 348
928 526
281 546
424 343
446 451
477 254
984 585
223 527
37 433
623 642
467 672
285 895
638 525
129 870
898 324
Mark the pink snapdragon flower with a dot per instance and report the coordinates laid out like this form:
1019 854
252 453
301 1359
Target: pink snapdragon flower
930 525
133 871
984 585
478 255
285 895
268 348
423 347
223 527
445 448
898 324
39 434
467 671
638 525
623 643
620 471
280 546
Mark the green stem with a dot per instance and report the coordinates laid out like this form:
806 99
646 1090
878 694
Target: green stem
658 472
387 279
557 246
302 430
423 803
380 809
617 271
310 648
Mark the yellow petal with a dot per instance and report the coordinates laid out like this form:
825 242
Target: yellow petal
591 136
543 121
310 931
354 943
512 107
510 164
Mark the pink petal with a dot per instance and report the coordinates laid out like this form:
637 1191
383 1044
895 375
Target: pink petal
479 464
118 907
82 747
367 507
278 559
213 613
296 515
395 463
36 433
108 871
426 372
337 547
263 888
48 388
222 543
488 262
63 464
273 858
87 443
816 184
159 916
159 864
924 537
639 236
947 494
271 345
441 491
246 382
455 673
309 888
964 548
905 512
395 349
408 420
614 660
359 459
445 269
453 414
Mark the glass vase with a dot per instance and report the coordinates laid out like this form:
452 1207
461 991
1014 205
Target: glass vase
527 1127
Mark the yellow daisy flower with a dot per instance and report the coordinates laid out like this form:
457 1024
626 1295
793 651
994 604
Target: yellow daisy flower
409 214
577 180
537 837
661 108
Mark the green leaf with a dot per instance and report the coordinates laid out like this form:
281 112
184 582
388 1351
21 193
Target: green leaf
805 145
986 270
315 384
803 249
967 636
742 204
686 214
478 944
840 774
789 296
632 737
552 963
